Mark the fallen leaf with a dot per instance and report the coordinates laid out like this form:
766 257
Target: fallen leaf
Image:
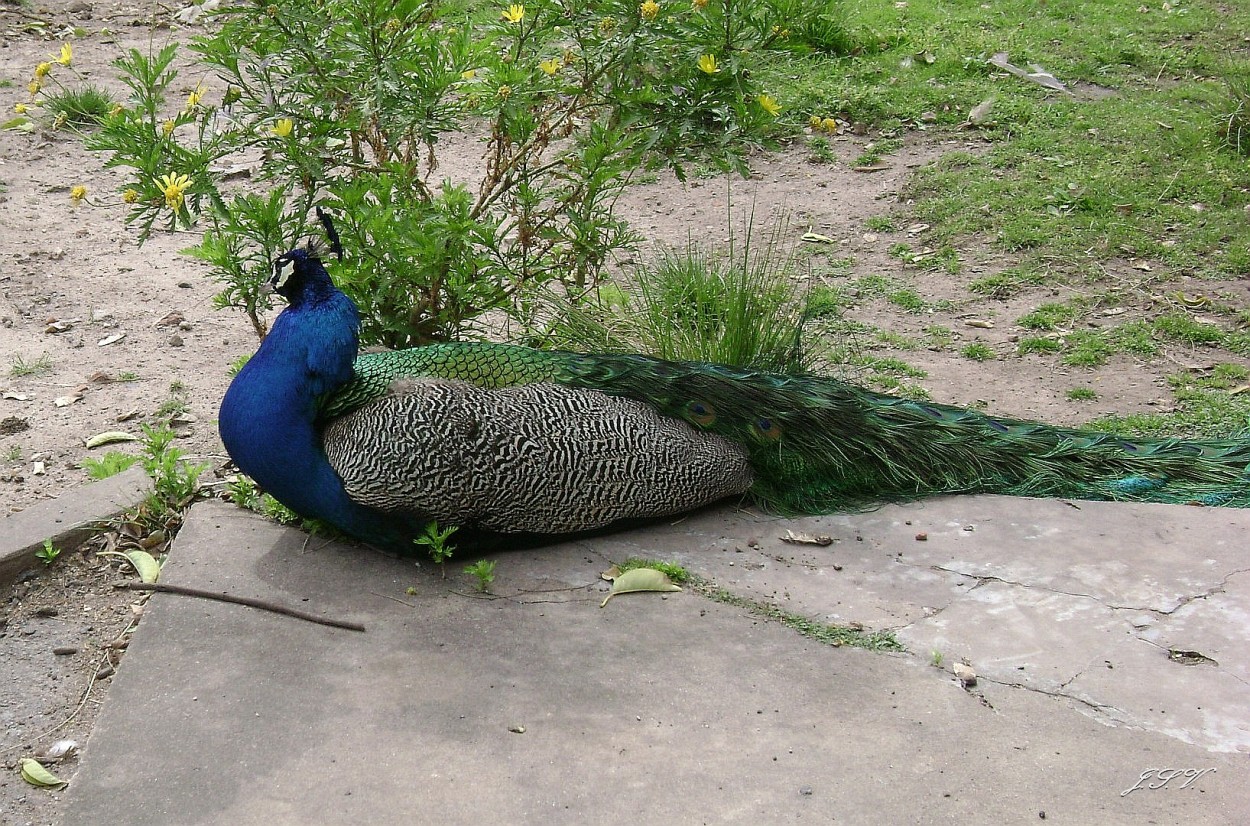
611 573
17 397
981 112
916 229
35 774
1183 657
640 580
876 167
66 401
979 322
58 751
1114 311
806 539
145 565
817 238
109 437
113 339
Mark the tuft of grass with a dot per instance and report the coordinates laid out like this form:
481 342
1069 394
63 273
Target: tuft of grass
20 367
483 571
1038 344
1136 337
907 299
1049 317
1183 328
977 351
1081 394
86 105
1008 283
824 301
820 150
1234 122
880 223
694 304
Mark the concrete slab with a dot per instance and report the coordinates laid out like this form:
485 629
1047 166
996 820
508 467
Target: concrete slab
536 705
68 519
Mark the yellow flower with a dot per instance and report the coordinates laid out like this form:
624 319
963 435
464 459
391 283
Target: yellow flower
67 54
393 25
769 105
514 13
282 128
504 92
130 196
814 121
193 99
707 64
649 10
700 4
20 108
59 121
167 128
34 86
469 75
551 66
116 110
829 125
607 25
174 186
77 194
41 71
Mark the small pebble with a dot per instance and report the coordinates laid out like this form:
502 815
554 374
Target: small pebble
922 537
806 791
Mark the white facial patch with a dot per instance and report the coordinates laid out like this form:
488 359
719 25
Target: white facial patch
283 269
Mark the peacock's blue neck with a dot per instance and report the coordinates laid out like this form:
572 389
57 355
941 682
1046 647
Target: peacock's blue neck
268 416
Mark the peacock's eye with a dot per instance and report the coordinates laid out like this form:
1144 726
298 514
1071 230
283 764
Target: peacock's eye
283 269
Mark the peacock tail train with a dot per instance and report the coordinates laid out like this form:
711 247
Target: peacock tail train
817 445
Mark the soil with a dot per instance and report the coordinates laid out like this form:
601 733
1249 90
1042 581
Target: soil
75 287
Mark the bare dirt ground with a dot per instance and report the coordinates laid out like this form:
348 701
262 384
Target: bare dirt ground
76 291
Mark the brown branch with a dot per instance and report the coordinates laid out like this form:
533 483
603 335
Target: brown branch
272 607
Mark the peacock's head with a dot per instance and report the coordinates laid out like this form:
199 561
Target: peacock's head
295 270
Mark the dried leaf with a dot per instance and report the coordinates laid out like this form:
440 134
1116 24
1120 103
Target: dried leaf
1183 657
17 397
817 238
58 751
640 580
113 339
66 401
807 539
35 774
611 573
109 437
979 322
981 112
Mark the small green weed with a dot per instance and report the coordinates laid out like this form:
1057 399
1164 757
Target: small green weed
1081 394
908 300
13 453
1234 122
20 367
938 337
48 553
127 376
1136 338
823 301
484 572
936 658
174 480
676 573
237 364
977 351
435 541
820 150
110 464
880 223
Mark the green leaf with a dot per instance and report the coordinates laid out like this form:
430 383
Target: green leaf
35 774
640 580
148 568
21 123
110 437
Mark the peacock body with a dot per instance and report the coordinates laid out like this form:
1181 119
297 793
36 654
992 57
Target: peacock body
503 440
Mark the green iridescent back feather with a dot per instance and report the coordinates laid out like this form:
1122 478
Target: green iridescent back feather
819 445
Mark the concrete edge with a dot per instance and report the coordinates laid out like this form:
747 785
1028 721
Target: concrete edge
68 519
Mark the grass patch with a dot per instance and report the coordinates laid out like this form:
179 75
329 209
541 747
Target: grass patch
1183 328
110 464
826 633
908 300
20 367
977 351
1081 394
676 573
1008 283
1086 349
1049 317
1038 344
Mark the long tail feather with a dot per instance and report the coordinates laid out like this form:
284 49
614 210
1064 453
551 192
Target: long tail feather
820 445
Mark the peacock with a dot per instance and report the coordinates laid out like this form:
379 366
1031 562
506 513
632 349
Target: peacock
507 442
